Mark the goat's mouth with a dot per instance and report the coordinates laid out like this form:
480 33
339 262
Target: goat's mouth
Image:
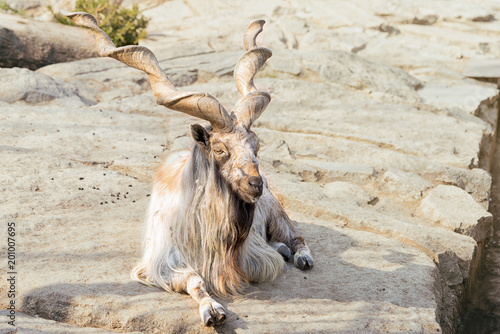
250 198
250 189
251 193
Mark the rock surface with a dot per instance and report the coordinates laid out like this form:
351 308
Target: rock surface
444 205
33 44
373 136
37 325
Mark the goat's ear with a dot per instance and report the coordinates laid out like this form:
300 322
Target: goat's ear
200 135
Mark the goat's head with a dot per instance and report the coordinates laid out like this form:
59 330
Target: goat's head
228 141
235 155
233 146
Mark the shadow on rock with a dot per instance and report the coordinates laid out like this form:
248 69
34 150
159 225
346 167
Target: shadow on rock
365 274
353 266
129 306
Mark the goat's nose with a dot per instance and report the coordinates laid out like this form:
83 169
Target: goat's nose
255 182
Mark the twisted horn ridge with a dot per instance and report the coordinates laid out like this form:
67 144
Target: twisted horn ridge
253 30
253 101
199 105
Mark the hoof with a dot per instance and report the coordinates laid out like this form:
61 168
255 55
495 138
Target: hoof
285 252
212 313
304 261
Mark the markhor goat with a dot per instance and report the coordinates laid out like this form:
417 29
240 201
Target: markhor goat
213 225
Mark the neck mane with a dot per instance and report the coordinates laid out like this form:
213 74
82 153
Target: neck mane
217 223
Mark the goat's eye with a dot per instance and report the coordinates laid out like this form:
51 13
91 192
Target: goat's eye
218 151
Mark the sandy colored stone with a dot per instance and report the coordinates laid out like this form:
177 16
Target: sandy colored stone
407 186
22 84
341 189
459 96
330 170
475 181
106 298
482 68
363 122
444 205
33 44
346 68
36 325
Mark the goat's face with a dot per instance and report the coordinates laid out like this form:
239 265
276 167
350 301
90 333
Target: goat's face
235 154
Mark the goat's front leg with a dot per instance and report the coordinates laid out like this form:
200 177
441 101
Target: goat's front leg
211 312
292 244
283 236
302 258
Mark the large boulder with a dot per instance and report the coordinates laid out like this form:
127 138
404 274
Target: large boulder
33 44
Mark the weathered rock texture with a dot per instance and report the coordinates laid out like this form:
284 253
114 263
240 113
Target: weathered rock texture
32 44
374 139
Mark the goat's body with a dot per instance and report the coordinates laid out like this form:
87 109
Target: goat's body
195 225
212 221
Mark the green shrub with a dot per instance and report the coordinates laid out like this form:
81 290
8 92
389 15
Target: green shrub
124 26
5 7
